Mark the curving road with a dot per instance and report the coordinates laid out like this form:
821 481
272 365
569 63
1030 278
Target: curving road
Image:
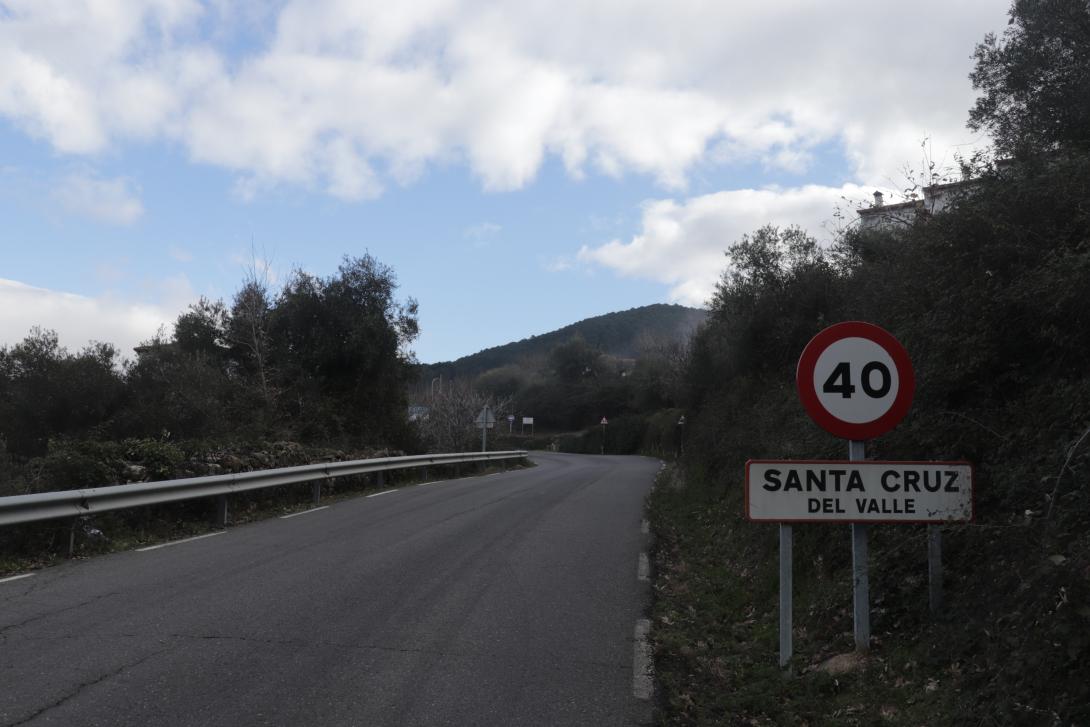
511 599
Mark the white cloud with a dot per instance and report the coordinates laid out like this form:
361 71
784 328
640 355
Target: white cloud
79 319
47 104
115 201
481 233
682 244
346 96
78 73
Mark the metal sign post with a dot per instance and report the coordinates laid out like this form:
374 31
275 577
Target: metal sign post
856 382
860 567
786 593
485 420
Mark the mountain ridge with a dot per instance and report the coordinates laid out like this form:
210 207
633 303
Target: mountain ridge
617 334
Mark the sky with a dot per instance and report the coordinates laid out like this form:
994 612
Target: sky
521 166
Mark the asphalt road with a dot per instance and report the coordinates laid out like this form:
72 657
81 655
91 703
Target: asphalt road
510 599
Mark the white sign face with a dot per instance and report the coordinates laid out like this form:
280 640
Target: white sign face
856 380
527 420
835 491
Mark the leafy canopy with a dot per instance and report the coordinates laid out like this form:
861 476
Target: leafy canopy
1035 80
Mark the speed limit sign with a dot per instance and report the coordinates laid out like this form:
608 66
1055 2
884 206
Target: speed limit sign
855 380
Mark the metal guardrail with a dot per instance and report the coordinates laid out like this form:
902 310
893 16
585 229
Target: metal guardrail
89 501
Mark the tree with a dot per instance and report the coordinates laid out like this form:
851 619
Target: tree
1036 79
779 288
505 381
340 348
247 332
201 330
657 381
575 360
45 391
180 392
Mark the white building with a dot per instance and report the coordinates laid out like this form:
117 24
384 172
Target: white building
936 198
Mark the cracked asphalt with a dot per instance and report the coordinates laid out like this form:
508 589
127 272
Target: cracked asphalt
500 600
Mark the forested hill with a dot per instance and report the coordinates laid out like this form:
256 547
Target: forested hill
618 334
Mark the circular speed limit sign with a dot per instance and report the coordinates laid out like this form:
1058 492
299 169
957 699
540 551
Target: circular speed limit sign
855 380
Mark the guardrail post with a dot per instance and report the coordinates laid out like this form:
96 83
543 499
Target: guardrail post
72 538
423 474
380 478
219 517
317 489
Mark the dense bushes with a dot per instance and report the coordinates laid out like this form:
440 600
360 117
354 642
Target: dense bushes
324 361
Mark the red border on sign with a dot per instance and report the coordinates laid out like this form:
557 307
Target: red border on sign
804 381
972 492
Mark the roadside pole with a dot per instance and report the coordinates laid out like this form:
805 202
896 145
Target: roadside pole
485 420
860 567
786 593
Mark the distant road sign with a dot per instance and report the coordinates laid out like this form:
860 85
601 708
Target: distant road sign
527 420
603 422
510 417
859 492
855 380
486 419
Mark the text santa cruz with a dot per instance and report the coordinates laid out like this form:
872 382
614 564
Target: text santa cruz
794 491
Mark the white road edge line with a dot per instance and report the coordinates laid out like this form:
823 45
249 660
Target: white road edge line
643 669
643 570
179 542
384 492
18 577
304 512
433 482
